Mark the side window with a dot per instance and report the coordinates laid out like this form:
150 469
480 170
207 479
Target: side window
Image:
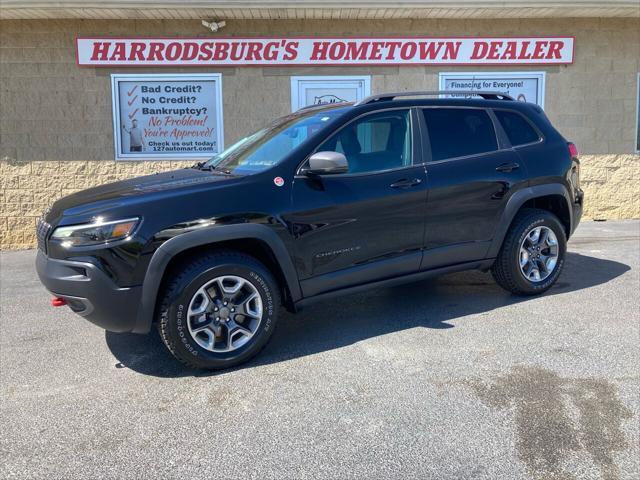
380 141
458 132
516 127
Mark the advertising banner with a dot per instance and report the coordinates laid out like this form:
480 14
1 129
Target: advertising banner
167 116
523 86
321 90
279 51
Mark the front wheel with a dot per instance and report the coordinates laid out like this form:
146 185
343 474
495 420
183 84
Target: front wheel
533 253
219 310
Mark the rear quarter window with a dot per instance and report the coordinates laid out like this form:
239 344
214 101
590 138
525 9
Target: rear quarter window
517 128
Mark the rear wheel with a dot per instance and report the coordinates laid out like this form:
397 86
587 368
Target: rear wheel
532 255
219 310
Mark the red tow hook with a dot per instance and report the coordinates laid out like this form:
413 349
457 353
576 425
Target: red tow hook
58 302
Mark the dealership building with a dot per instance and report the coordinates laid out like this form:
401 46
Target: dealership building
94 92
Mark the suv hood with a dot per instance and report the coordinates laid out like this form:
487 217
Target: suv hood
114 194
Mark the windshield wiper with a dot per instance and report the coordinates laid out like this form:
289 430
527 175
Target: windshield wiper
211 168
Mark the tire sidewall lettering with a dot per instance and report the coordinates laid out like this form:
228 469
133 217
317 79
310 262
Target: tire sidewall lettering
266 292
180 323
181 327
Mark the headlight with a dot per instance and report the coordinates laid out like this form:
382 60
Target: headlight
95 233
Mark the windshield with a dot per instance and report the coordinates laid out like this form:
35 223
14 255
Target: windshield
267 147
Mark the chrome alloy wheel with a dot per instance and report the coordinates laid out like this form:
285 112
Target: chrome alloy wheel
225 313
538 254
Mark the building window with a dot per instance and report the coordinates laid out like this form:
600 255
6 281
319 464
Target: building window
314 90
523 86
638 117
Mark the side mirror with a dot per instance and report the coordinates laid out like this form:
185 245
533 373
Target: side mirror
327 163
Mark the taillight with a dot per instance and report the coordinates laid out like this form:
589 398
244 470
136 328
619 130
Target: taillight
573 150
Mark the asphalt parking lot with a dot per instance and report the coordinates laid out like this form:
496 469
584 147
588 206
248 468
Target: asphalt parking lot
448 378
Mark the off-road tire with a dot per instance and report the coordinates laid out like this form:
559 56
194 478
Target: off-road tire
506 269
179 290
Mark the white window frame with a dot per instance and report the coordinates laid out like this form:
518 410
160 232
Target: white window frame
117 130
540 75
298 81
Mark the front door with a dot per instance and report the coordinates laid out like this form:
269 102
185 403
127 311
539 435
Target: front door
367 224
471 174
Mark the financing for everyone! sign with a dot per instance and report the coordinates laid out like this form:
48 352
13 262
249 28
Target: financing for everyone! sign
167 116
106 51
523 86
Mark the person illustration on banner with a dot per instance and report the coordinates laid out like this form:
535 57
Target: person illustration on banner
522 98
136 140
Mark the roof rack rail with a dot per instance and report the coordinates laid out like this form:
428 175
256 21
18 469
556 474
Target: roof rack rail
381 97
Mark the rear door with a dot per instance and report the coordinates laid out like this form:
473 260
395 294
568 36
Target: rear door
367 224
471 172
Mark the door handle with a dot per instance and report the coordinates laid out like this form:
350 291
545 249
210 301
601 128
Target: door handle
507 167
406 183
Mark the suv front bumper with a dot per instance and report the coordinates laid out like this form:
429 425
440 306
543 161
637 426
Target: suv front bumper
90 293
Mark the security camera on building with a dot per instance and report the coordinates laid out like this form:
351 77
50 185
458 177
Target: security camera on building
214 26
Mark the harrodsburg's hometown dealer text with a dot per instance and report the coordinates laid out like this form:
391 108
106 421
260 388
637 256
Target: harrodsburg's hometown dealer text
324 51
167 116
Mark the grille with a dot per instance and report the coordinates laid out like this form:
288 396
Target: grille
42 232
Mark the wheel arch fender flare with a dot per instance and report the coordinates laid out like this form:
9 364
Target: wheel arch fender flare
516 201
208 236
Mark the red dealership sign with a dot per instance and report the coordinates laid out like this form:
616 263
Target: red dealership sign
324 51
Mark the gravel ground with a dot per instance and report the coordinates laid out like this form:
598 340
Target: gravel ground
448 378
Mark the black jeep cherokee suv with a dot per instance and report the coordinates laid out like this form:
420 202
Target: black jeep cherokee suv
328 200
